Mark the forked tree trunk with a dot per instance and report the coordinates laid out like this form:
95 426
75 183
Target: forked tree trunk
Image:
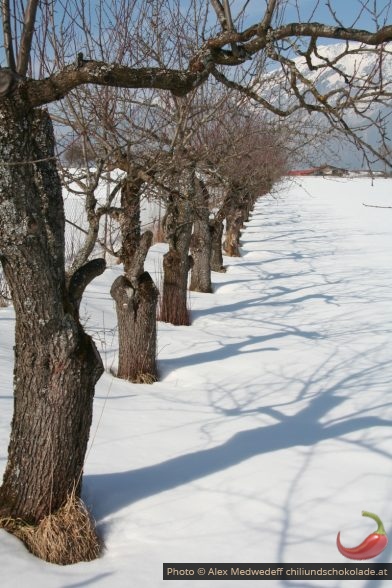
201 241
177 262
56 363
135 294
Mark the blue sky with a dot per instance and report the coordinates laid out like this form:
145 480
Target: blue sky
347 11
357 13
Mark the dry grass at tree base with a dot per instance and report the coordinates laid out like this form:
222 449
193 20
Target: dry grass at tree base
142 378
145 379
65 537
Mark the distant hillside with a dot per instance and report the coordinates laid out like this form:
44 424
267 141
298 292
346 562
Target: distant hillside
363 67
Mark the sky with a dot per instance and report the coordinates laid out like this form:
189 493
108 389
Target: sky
357 13
350 12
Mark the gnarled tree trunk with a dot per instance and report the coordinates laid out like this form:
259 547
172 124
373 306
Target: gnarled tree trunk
135 294
136 308
56 363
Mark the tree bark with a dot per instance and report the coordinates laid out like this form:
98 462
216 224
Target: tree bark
234 224
129 221
201 242
135 294
176 265
177 262
239 207
136 316
56 363
216 231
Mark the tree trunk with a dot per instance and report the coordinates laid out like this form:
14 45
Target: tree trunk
239 207
177 262
56 363
176 265
234 224
201 242
216 231
130 220
135 294
136 316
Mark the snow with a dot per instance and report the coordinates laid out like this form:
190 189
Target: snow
270 429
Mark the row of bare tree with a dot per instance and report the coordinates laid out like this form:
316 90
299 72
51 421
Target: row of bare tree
54 51
205 158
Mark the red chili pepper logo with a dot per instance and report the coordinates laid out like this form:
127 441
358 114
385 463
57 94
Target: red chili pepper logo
372 546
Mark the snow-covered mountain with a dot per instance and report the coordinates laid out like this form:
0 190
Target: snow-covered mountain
339 77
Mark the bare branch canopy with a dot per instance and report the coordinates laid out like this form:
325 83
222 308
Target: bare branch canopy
212 52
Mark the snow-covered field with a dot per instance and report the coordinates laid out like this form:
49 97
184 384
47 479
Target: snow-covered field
271 428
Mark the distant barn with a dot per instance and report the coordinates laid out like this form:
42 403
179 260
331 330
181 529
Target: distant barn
322 170
302 172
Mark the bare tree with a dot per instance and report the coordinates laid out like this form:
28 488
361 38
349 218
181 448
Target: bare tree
188 204
201 242
112 141
262 161
178 230
56 362
248 154
135 293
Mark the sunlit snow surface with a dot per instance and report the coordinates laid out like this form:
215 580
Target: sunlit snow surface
271 428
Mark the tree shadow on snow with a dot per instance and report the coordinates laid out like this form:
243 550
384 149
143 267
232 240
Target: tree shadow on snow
167 366
108 493
327 388
228 350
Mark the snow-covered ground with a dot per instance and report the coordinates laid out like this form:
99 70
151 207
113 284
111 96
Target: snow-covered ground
271 428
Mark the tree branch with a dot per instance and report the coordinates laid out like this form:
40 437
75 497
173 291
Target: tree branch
269 13
107 249
257 38
137 265
57 86
81 279
220 13
8 47
181 82
253 95
27 36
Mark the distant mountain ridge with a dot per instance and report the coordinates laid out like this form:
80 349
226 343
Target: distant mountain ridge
363 67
